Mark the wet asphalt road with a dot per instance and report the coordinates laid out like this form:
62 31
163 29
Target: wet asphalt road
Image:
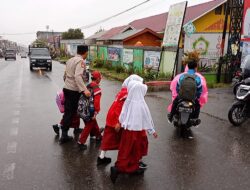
31 157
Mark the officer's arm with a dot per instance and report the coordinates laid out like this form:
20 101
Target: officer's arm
79 76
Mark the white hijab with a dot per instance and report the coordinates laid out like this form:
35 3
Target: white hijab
131 78
135 115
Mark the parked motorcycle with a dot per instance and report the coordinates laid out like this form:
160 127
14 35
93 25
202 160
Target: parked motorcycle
240 110
183 119
237 81
86 74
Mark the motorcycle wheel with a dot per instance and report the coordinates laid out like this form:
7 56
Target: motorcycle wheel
235 115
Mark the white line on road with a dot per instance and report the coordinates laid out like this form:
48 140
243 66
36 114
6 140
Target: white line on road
8 172
16 113
11 147
14 131
18 105
15 120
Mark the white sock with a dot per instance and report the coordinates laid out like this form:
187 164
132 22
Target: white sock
102 155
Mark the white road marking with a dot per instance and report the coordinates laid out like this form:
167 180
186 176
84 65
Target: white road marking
11 147
15 120
18 105
16 113
8 172
14 131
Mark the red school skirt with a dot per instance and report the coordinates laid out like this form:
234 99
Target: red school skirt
111 139
133 147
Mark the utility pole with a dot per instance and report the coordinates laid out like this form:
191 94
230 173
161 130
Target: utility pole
227 11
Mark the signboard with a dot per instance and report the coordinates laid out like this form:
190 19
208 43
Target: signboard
208 44
174 24
114 54
152 59
246 19
189 29
128 56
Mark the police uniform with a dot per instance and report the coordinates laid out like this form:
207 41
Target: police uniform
73 87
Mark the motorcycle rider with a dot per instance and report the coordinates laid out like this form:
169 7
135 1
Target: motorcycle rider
189 87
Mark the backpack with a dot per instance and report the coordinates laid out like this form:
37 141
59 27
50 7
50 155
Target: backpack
188 88
86 108
60 100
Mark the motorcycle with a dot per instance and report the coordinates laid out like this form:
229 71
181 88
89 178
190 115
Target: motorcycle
237 81
183 120
86 74
239 111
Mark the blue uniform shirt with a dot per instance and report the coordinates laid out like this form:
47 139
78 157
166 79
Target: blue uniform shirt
198 83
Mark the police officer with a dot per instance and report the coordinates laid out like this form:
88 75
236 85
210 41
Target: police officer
74 86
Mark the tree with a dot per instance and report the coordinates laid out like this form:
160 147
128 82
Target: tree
72 34
39 43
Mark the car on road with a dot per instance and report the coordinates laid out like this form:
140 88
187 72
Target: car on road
10 54
23 55
40 57
1 53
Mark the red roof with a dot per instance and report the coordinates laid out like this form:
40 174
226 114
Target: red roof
158 22
113 31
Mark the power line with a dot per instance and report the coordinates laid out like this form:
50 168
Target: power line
86 26
118 14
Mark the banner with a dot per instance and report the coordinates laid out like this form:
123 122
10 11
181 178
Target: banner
246 19
152 59
174 24
114 54
128 56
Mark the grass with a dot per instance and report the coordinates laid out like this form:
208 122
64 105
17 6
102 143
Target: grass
111 74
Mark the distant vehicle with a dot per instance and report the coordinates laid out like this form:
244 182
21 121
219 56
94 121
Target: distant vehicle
10 54
23 55
40 57
1 53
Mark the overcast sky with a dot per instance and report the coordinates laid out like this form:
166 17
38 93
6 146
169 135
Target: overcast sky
29 16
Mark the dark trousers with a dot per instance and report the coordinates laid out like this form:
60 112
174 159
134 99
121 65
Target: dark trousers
195 114
70 107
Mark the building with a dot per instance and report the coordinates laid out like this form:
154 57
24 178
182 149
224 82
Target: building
92 39
131 36
52 38
207 19
70 46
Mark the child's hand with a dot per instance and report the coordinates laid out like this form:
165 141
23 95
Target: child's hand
94 117
155 135
117 127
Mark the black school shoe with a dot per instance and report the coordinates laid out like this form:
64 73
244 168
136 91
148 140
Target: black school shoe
56 129
99 139
140 171
65 139
82 146
113 174
77 131
142 165
103 161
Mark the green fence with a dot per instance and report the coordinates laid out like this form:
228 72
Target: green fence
137 57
